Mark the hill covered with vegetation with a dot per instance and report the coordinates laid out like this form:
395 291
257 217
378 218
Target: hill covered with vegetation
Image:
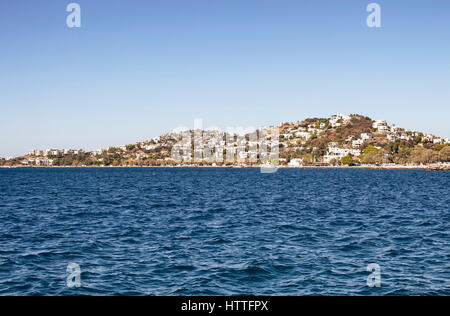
338 140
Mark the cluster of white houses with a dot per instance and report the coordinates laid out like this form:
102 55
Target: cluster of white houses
335 152
45 157
38 161
339 120
191 146
394 133
338 153
151 144
54 152
211 145
293 137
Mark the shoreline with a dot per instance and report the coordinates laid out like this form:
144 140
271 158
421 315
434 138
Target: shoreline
387 167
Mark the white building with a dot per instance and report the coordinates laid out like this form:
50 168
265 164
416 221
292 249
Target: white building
395 129
405 136
337 118
304 135
150 147
357 143
383 129
378 123
98 152
53 152
242 155
295 163
392 137
315 130
44 162
36 152
366 136
339 153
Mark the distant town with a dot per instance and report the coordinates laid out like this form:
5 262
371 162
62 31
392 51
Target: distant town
341 140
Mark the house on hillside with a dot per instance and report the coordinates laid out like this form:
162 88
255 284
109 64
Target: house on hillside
304 135
392 137
357 143
339 153
396 129
378 123
339 119
366 136
295 163
382 129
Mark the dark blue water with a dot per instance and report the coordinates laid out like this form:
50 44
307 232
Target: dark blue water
224 231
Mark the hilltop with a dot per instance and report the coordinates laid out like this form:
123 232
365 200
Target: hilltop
338 140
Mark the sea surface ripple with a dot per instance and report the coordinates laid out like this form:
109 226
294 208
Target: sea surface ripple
216 231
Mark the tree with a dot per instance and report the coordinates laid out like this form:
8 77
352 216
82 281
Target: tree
333 162
422 155
370 149
444 154
347 160
373 157
308 158
403 155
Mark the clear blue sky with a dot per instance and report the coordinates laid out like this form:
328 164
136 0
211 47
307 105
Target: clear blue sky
138 69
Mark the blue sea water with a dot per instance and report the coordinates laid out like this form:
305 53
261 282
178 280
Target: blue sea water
214 231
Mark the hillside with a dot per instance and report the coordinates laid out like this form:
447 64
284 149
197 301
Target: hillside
341 139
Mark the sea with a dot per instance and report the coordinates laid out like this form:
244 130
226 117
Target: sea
223 231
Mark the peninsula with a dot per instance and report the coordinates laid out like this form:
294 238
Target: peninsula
341 140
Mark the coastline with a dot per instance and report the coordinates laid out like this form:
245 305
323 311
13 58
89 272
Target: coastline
385 167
